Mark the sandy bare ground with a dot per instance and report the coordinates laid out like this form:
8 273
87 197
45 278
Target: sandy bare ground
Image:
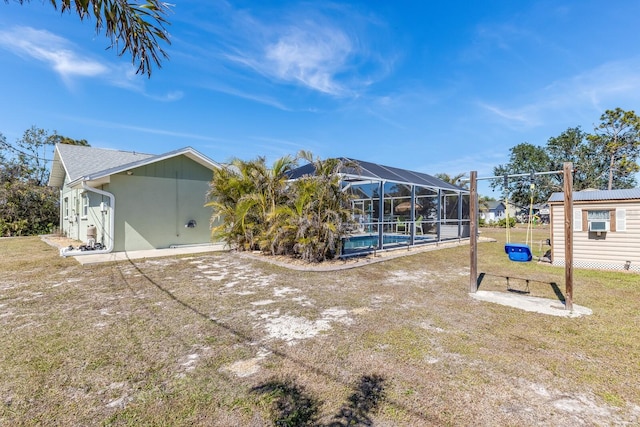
224 340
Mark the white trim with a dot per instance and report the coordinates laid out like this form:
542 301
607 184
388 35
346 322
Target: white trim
188 152
112 225
84 208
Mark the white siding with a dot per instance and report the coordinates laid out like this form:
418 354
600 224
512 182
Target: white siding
609 250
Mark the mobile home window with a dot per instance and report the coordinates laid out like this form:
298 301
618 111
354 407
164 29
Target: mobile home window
601 215
599 220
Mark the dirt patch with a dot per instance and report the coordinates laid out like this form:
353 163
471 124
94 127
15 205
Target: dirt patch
187 341
353 261
60 241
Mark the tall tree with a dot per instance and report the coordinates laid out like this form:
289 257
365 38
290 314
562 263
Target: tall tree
30 153
617 138
59 139
572 146
136 28
525 158
27 205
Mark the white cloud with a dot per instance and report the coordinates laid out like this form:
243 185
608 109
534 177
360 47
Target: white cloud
57 52
585 95
311 55
612 82
142 129
68 60
323 48
523 116
262 99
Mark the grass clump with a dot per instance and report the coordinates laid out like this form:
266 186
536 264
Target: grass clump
191 341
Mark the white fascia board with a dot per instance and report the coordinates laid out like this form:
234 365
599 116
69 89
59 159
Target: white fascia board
103 176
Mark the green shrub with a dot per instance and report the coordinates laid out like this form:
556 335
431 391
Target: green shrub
503 222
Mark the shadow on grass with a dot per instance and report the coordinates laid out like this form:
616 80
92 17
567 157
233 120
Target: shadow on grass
554 286
368 386
292 406
368 394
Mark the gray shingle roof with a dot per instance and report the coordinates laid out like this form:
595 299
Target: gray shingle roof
187 151
599 195
90 163
495 204
78 161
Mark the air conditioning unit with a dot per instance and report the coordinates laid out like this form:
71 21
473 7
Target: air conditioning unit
599 226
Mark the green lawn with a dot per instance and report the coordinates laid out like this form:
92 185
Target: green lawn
217 339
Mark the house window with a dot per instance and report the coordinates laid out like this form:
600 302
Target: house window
85 205
66 207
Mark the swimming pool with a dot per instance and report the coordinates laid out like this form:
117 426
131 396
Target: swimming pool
371 241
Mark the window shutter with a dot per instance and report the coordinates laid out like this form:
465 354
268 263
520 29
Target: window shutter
577 220
612 220
621 220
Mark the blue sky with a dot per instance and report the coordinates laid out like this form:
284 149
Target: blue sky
422 85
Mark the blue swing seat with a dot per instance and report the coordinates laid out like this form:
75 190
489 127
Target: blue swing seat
518 252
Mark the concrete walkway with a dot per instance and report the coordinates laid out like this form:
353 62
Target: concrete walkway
90 258
528 303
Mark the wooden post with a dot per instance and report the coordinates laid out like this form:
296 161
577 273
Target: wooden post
473 231
568 235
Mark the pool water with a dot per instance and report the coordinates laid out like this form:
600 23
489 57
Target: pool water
361 242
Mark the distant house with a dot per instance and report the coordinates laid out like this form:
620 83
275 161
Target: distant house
496 210
129 201
606 229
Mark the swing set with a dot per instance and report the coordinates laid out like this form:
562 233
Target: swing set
519 252
522 252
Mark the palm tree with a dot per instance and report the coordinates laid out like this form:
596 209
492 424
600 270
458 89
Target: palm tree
325 218
455 179
243 195
256 207
132 27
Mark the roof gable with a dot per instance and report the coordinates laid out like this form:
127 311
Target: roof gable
495 204
76 161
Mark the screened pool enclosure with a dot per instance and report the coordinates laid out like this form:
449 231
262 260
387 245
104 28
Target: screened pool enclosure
396 208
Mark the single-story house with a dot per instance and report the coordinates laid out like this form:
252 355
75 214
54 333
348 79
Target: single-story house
128 201
495 211
606 229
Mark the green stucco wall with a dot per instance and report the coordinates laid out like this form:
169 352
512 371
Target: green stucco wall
154 203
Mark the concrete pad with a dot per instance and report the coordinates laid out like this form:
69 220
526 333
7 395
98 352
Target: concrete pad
528 303
89 258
